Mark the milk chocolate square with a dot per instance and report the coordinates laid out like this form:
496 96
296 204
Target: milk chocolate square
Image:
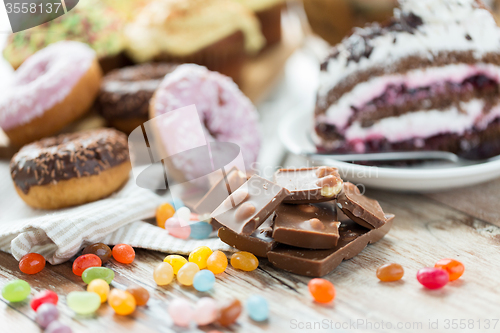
362 210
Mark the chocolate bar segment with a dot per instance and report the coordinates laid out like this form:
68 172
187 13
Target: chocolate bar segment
259 242
308 185
315 263
362 210
250 205
311 226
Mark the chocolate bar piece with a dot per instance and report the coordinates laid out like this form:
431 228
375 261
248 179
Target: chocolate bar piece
311 226
259 243
250 205
362 210
315 263
220 191
309 185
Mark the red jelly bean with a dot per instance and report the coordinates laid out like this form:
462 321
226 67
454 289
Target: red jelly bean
85 261
44 296
32 263
433 278
454 268
321 290
123 253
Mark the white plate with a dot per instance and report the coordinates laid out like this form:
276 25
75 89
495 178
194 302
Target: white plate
295 131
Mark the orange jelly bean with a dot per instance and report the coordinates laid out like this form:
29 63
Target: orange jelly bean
123 253
245 261
454 268
32 263
321 290
217 262
390 272
85 261
122 302
229 312
163 213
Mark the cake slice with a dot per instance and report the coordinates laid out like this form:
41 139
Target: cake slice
426 80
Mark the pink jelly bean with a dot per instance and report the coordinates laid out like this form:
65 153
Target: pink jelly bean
206 311
433 278
175 229
181 312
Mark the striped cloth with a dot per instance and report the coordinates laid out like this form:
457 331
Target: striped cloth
59 235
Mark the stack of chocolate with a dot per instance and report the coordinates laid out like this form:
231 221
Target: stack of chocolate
293 221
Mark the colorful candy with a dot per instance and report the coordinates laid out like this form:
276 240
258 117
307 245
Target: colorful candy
163 274
181 312
229 312
217 262
206 311
257 308
163 213
186 274
204 280
183 214
245 261
175 229
99 249
100 287
58 327
102 273
176 261
433 278
122 302
454 268
390 272
200 230
16 291
140 294
321 290
46 314
83 302
200 255
32 263
123 253
44 296
85 261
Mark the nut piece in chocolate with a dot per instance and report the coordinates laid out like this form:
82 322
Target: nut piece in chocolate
309 185
362 210
250 205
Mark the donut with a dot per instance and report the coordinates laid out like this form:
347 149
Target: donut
125 93
226 115
51 89
71 169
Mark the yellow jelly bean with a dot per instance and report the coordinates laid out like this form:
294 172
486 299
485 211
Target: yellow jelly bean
163 274
200 255
186 274
217 262
245 261
122 302
100 287
176 261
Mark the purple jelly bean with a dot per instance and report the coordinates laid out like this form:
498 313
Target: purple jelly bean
46 313
58 327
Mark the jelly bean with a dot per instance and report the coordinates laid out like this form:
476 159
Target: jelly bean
186 274
176 261
454 268
99 249
206 311
321 290
85 261
204 280
102 273
140 294
257 308
44 296
123 253
200 230
390 272
122 302
58 327
100 287
245 261
45 314
433 278
181 312
177 203
32 263
229 312
16 291
217 262
83 302
163 274
200 255
174 228
163 213
183 214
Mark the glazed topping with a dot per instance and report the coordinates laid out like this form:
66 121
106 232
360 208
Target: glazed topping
68 156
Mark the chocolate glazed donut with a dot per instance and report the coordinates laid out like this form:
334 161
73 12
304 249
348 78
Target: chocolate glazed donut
71 169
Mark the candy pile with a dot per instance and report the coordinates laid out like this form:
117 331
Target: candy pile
183 223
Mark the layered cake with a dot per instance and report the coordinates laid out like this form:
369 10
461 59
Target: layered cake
428 79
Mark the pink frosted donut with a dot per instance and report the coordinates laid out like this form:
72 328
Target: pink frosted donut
225 115
50 89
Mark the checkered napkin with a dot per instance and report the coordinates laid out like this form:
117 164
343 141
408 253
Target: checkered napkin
58 235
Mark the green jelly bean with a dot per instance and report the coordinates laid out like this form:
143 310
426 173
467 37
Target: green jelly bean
83 302
102 273
16 291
